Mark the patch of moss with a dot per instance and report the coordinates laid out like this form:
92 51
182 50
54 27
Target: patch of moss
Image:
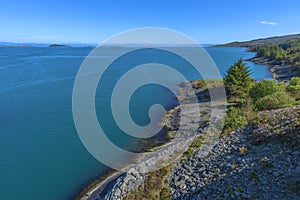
197 142
189 151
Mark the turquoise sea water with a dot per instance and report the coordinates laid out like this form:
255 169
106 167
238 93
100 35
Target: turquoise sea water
41 155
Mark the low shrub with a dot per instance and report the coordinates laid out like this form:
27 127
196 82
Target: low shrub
264 88
294 87
277 100
234 120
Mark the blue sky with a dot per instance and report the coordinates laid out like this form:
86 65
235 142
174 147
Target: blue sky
91 21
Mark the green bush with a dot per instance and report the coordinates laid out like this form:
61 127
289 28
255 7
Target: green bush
264 88
294 81
234 120
294 87
277 100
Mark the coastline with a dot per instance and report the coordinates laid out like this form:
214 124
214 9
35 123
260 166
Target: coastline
115 179
278 72
99 182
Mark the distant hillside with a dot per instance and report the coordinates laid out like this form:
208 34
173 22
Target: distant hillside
261 41
12 44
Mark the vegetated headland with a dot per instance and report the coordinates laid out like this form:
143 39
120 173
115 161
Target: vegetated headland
257 156
281 53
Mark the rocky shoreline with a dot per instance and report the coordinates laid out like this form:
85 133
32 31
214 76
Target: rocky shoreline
280 71
246 164
257 162
118 184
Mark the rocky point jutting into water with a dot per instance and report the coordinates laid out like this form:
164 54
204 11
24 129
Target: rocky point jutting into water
259 161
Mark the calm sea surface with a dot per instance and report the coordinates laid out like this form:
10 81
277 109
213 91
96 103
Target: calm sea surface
41 155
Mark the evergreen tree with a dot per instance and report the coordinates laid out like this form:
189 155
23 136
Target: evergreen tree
237 81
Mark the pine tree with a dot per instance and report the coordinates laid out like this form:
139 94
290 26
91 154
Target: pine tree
237 81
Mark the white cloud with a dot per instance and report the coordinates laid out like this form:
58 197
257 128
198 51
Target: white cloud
268 23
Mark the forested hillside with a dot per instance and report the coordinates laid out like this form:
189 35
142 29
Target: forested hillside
261 41
287 52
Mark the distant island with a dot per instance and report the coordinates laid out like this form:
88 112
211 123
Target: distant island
28 45
58 45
